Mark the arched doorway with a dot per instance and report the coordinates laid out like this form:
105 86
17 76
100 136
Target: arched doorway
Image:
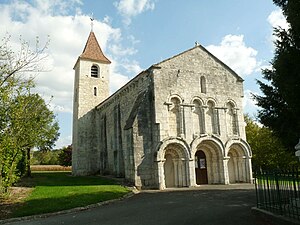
208 150
169 171
201 167
237 165
175 167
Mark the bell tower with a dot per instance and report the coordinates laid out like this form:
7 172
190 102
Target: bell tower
91 87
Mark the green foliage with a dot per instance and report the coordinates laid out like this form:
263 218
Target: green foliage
25 120
280 102
65 156
45 157
268 151
63 191
22 164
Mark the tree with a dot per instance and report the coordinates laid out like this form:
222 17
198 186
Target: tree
25 120
35 125
268 151
280 102
65 156
45 157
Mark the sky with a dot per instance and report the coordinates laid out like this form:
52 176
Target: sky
135 34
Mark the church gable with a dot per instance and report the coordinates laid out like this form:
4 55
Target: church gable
197 56
199 73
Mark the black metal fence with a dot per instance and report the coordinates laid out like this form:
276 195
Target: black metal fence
277 191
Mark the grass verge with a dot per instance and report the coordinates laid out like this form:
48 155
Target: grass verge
50 168
56 191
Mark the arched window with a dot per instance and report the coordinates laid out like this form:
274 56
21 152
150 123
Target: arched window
94 71
203 84
95 91
198 117
213 118
174 117
232 121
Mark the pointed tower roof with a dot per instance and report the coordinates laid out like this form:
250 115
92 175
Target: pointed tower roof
93 51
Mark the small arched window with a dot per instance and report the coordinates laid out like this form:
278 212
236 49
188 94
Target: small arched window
232 119
198 117
174 118
94 71
213 116
203 84
95 91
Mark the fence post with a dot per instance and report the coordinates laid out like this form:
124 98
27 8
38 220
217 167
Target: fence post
278 191
256 188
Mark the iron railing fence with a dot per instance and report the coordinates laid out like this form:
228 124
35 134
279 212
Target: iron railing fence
277 191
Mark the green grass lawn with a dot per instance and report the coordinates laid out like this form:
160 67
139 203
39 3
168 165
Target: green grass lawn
55 191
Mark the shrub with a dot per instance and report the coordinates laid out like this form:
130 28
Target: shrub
65 156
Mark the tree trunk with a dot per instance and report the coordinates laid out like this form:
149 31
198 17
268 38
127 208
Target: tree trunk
1 185
28 163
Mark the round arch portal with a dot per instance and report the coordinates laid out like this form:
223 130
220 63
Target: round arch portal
239 164
210 163
173 158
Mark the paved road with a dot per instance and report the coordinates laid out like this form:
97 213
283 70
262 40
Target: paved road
189 207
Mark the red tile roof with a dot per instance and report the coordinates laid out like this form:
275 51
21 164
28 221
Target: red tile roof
93 51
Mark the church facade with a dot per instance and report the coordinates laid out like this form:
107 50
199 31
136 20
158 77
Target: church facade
178 123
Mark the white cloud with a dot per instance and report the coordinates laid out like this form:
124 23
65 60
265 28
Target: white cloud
234 52
277 19
131 67
131 8
118 50
133 40
117 80
68 35
63 142
249 104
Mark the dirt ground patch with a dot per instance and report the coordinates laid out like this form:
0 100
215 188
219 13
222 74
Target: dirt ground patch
13 200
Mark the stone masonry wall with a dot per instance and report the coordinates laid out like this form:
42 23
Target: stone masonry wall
126 136
85 159
180 77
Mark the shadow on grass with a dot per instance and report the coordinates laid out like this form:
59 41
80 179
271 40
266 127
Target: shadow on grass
56 191
48 205
63 179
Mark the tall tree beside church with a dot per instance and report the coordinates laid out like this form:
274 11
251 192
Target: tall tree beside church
25 120
280 101
34 126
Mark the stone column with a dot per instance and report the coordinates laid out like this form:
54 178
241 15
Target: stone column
236 162
225 169
161 175
182 120
176 172
225 122
181 175
249 170
192 175
244 171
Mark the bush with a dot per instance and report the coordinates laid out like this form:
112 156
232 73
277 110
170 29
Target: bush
65 156
45 157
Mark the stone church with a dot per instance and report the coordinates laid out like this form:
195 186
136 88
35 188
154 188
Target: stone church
178 123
